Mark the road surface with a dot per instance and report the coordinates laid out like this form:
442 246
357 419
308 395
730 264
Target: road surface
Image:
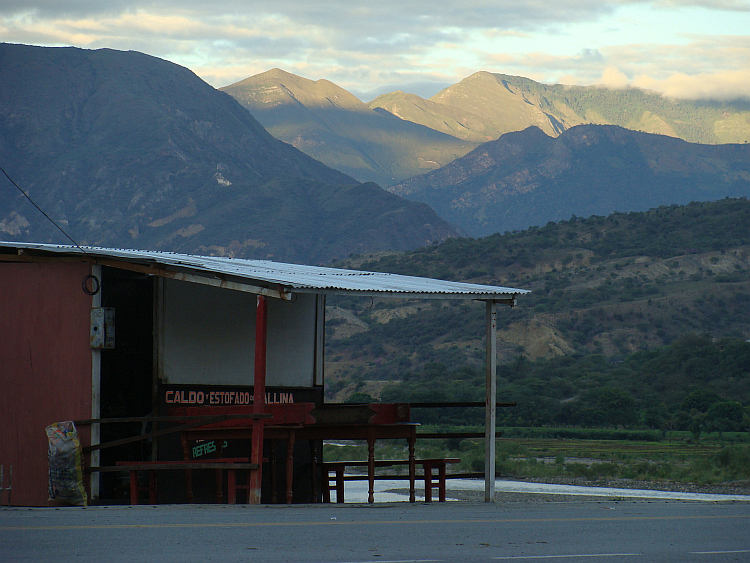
604 531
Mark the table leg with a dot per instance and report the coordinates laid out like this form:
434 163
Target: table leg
371 468
133 486
272 467
412 467
314 476
289 466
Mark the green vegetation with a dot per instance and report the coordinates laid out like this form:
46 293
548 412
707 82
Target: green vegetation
629 359
601 288
664 232
694 384
593 459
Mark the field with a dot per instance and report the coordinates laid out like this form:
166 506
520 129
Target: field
672 460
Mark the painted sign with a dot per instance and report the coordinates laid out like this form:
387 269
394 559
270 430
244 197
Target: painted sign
191 397
208 395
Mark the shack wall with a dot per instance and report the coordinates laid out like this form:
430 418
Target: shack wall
206 335
45 366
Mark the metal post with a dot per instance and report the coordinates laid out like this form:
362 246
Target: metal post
490 400
259 397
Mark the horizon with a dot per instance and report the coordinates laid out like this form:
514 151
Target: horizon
691 49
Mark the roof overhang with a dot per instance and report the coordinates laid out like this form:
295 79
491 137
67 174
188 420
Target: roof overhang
262 277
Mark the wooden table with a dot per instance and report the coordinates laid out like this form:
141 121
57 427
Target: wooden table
291 433
305 421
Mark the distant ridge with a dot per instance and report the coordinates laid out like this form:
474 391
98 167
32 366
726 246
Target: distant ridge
528 178
485 105
123 149
333 126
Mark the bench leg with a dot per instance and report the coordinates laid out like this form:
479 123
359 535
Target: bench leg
151 487
427 468
219 480
135 489
340 485
231 486
325 486
133 486
441 485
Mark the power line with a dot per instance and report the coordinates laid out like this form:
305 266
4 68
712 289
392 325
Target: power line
41 210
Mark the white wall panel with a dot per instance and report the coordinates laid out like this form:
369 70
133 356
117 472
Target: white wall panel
209 337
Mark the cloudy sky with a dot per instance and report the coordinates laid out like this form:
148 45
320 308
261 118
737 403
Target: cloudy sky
685 48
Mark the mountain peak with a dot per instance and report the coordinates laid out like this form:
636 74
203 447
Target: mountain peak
276 86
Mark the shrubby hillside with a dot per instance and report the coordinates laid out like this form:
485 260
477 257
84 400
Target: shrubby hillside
641 308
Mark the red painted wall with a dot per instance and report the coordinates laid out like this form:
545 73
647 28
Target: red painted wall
45 366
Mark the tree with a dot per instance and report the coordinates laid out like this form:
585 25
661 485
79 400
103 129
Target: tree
700 400
725 417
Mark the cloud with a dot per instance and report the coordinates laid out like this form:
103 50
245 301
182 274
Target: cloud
613 77
366 46
726 5
377 16
721 86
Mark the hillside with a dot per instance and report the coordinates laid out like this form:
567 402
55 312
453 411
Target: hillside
603 289
331 125
528 178
485 105
127 150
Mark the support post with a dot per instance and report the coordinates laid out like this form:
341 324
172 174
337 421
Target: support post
490 402
96 381
259 397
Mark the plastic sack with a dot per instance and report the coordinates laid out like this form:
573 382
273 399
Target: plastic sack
65 465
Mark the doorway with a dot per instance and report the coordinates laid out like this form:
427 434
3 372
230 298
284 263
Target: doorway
126 372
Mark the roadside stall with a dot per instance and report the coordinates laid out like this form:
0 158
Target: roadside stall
208 364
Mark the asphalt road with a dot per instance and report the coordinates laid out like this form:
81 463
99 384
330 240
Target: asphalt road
591 531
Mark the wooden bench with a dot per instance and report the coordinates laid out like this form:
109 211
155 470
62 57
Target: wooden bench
230 465
339 467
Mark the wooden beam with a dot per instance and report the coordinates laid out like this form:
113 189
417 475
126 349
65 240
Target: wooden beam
259 397
217 281
204 421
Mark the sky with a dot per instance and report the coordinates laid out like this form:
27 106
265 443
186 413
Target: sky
695 49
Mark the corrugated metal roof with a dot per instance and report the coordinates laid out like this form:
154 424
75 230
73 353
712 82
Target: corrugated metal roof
291 277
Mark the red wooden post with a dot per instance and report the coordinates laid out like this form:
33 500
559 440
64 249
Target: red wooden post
259 398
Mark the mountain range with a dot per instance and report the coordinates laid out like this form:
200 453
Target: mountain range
127 150
486 105
331 125
528 178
